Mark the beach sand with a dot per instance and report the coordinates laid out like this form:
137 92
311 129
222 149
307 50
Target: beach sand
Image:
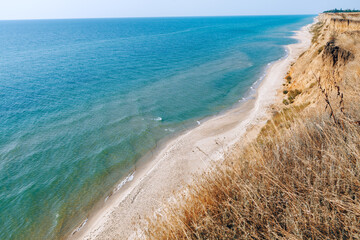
176 164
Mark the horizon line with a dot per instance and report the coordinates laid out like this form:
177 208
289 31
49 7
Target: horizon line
180 16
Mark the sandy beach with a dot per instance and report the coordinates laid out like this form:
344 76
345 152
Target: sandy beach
175 164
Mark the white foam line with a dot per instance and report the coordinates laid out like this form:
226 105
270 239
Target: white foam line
81 226
129 178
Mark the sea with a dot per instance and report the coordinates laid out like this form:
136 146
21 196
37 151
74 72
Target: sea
82 100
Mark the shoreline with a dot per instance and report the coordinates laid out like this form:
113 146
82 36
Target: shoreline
188 153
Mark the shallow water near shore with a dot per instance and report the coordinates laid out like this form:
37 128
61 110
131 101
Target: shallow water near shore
83 100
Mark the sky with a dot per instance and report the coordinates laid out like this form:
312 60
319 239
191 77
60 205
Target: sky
48 9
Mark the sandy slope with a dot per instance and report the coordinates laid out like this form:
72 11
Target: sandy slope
185 155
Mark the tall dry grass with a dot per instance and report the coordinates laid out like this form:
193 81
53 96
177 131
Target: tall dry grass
300 182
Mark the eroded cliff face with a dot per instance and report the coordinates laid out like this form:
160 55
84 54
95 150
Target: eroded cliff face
331 65
344 25
336 55
341 22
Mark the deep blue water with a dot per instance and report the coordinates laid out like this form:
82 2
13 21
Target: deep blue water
82 100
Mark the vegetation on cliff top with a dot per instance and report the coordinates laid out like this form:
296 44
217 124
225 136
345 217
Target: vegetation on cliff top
341 11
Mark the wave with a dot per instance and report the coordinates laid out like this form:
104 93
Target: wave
158 119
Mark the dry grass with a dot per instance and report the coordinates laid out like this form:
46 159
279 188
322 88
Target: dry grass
302 184
282 119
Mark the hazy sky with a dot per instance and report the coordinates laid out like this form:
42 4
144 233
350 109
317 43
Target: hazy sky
35 9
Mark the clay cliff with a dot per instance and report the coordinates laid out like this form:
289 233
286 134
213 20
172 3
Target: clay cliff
331 65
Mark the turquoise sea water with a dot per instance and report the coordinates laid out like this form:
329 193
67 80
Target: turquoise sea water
82 100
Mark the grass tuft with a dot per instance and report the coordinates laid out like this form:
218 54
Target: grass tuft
293 94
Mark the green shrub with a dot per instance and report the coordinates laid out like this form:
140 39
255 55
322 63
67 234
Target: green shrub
286 102
285 91
293 94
